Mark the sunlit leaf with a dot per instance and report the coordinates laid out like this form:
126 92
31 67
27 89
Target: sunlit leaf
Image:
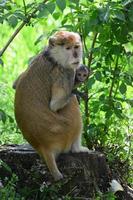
75 1
56 15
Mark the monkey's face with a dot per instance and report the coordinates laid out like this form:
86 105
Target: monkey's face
81 74
66 48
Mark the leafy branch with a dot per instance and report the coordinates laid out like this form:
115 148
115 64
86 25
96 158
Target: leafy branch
26 21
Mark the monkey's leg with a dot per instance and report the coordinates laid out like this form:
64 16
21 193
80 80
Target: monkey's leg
49 158
77 147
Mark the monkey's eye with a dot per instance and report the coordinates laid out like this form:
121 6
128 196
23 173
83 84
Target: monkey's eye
79 74
84 75
76 47
68 48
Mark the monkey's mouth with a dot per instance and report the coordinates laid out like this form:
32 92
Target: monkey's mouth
75 63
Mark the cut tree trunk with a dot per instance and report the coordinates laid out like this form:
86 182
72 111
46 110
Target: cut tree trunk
85 174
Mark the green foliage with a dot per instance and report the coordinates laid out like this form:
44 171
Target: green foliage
106 196
106 28
9 191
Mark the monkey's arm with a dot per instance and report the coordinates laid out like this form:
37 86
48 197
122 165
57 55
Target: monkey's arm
80 95
59 97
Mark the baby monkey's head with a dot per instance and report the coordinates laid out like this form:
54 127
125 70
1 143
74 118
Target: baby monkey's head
66 48
82 73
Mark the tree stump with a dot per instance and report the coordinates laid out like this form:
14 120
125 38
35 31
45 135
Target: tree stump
85 174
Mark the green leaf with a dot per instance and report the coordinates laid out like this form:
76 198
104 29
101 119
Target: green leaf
43 13
91 81
130 14
118 105
120 15
51 7
19 15
87 27
130 101
56 15
118 113
105 107
91 24
108 114
3 116
116 49
2 163
11 120
39 39
64 21
75 1
102 97
104 14
1 19
123 88
61 4
128 79
1 62
98 76
12 20
98 65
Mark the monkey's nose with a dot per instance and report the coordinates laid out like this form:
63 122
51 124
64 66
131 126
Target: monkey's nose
75 55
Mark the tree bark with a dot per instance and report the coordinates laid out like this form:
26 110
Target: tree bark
85 174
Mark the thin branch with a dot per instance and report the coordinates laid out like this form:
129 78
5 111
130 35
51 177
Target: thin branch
113 79
11 38
19 29
86 91
91 52
89 65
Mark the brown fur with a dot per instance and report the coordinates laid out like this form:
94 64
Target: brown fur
48 132
46 87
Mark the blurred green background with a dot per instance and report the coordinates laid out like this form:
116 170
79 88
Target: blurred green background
106 28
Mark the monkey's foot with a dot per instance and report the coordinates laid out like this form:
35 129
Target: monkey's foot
79 149
58 176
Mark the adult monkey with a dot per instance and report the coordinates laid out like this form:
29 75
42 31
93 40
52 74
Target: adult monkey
51 132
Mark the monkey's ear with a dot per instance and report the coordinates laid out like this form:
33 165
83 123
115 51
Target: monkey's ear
52 41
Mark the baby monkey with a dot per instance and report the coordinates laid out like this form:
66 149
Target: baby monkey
82 74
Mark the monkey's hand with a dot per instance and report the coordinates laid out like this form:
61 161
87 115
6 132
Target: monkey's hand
57 104
60 96
80 94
